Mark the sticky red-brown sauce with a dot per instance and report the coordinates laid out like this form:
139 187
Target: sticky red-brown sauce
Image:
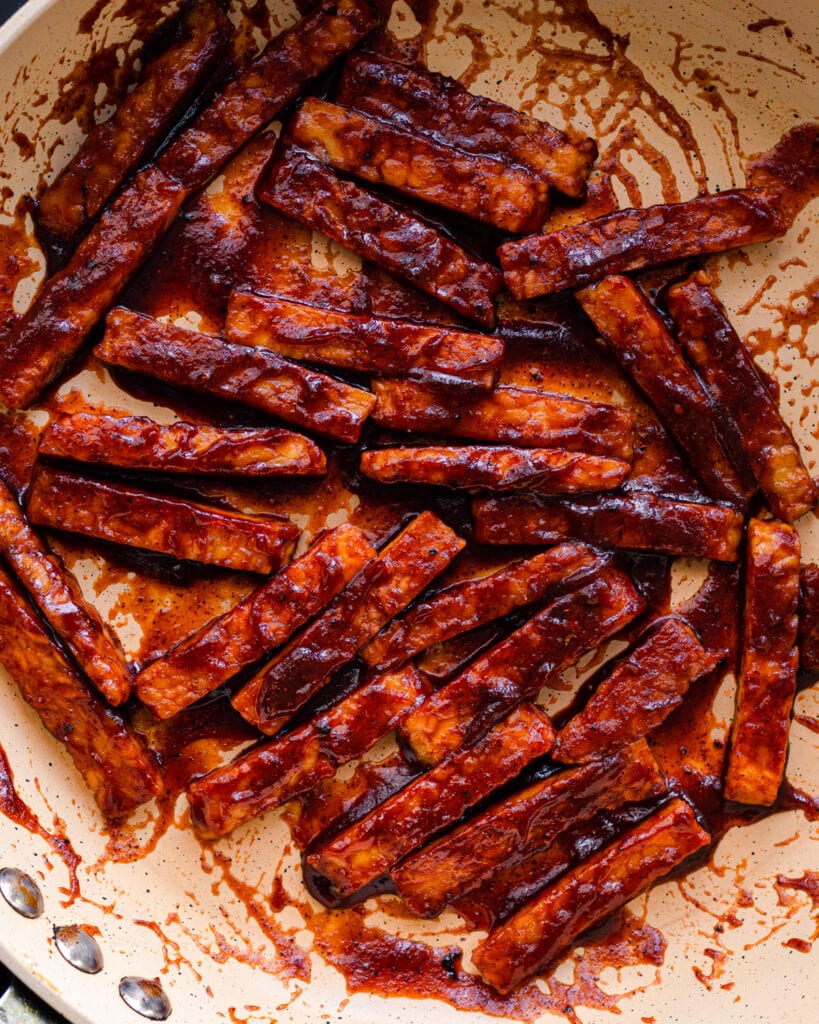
225 238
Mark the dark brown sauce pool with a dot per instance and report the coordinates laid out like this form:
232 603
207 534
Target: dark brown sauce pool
226 238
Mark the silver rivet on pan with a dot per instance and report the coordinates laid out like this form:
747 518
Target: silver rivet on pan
21 892
146 996
79 948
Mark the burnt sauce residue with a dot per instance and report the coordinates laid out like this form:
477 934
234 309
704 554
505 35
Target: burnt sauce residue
225 238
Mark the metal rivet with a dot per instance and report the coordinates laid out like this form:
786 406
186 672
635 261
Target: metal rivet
146 996
79 948
21 892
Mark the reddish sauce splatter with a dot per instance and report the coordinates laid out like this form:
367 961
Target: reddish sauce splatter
16 810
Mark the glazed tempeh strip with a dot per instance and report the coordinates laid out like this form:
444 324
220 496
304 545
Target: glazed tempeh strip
637 695
528 820
476 185
383 588
113 761
533 937
809 618
767 679
639 339
275 772
74 300
173 526
140 443
264 619
729 373
57 594
119 145
376 843
420 100
639 238
474 602
71 302
509 415
253 376
640 521
495 468
310 192
335 803
369 344
517 668
267 84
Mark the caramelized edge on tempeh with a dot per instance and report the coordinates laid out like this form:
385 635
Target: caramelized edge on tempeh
637 238
730 374
256 377
303 188
270 774
115 764
267 617
511 415
119 145
474 602
184 529
495 468
519 824
57 594
640 521
514 670
140 443
473 184
532 938
636 333
767 680
372 846
384 587
364 343
421 100
637 695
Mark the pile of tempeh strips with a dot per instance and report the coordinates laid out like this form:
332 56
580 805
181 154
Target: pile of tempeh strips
456 670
